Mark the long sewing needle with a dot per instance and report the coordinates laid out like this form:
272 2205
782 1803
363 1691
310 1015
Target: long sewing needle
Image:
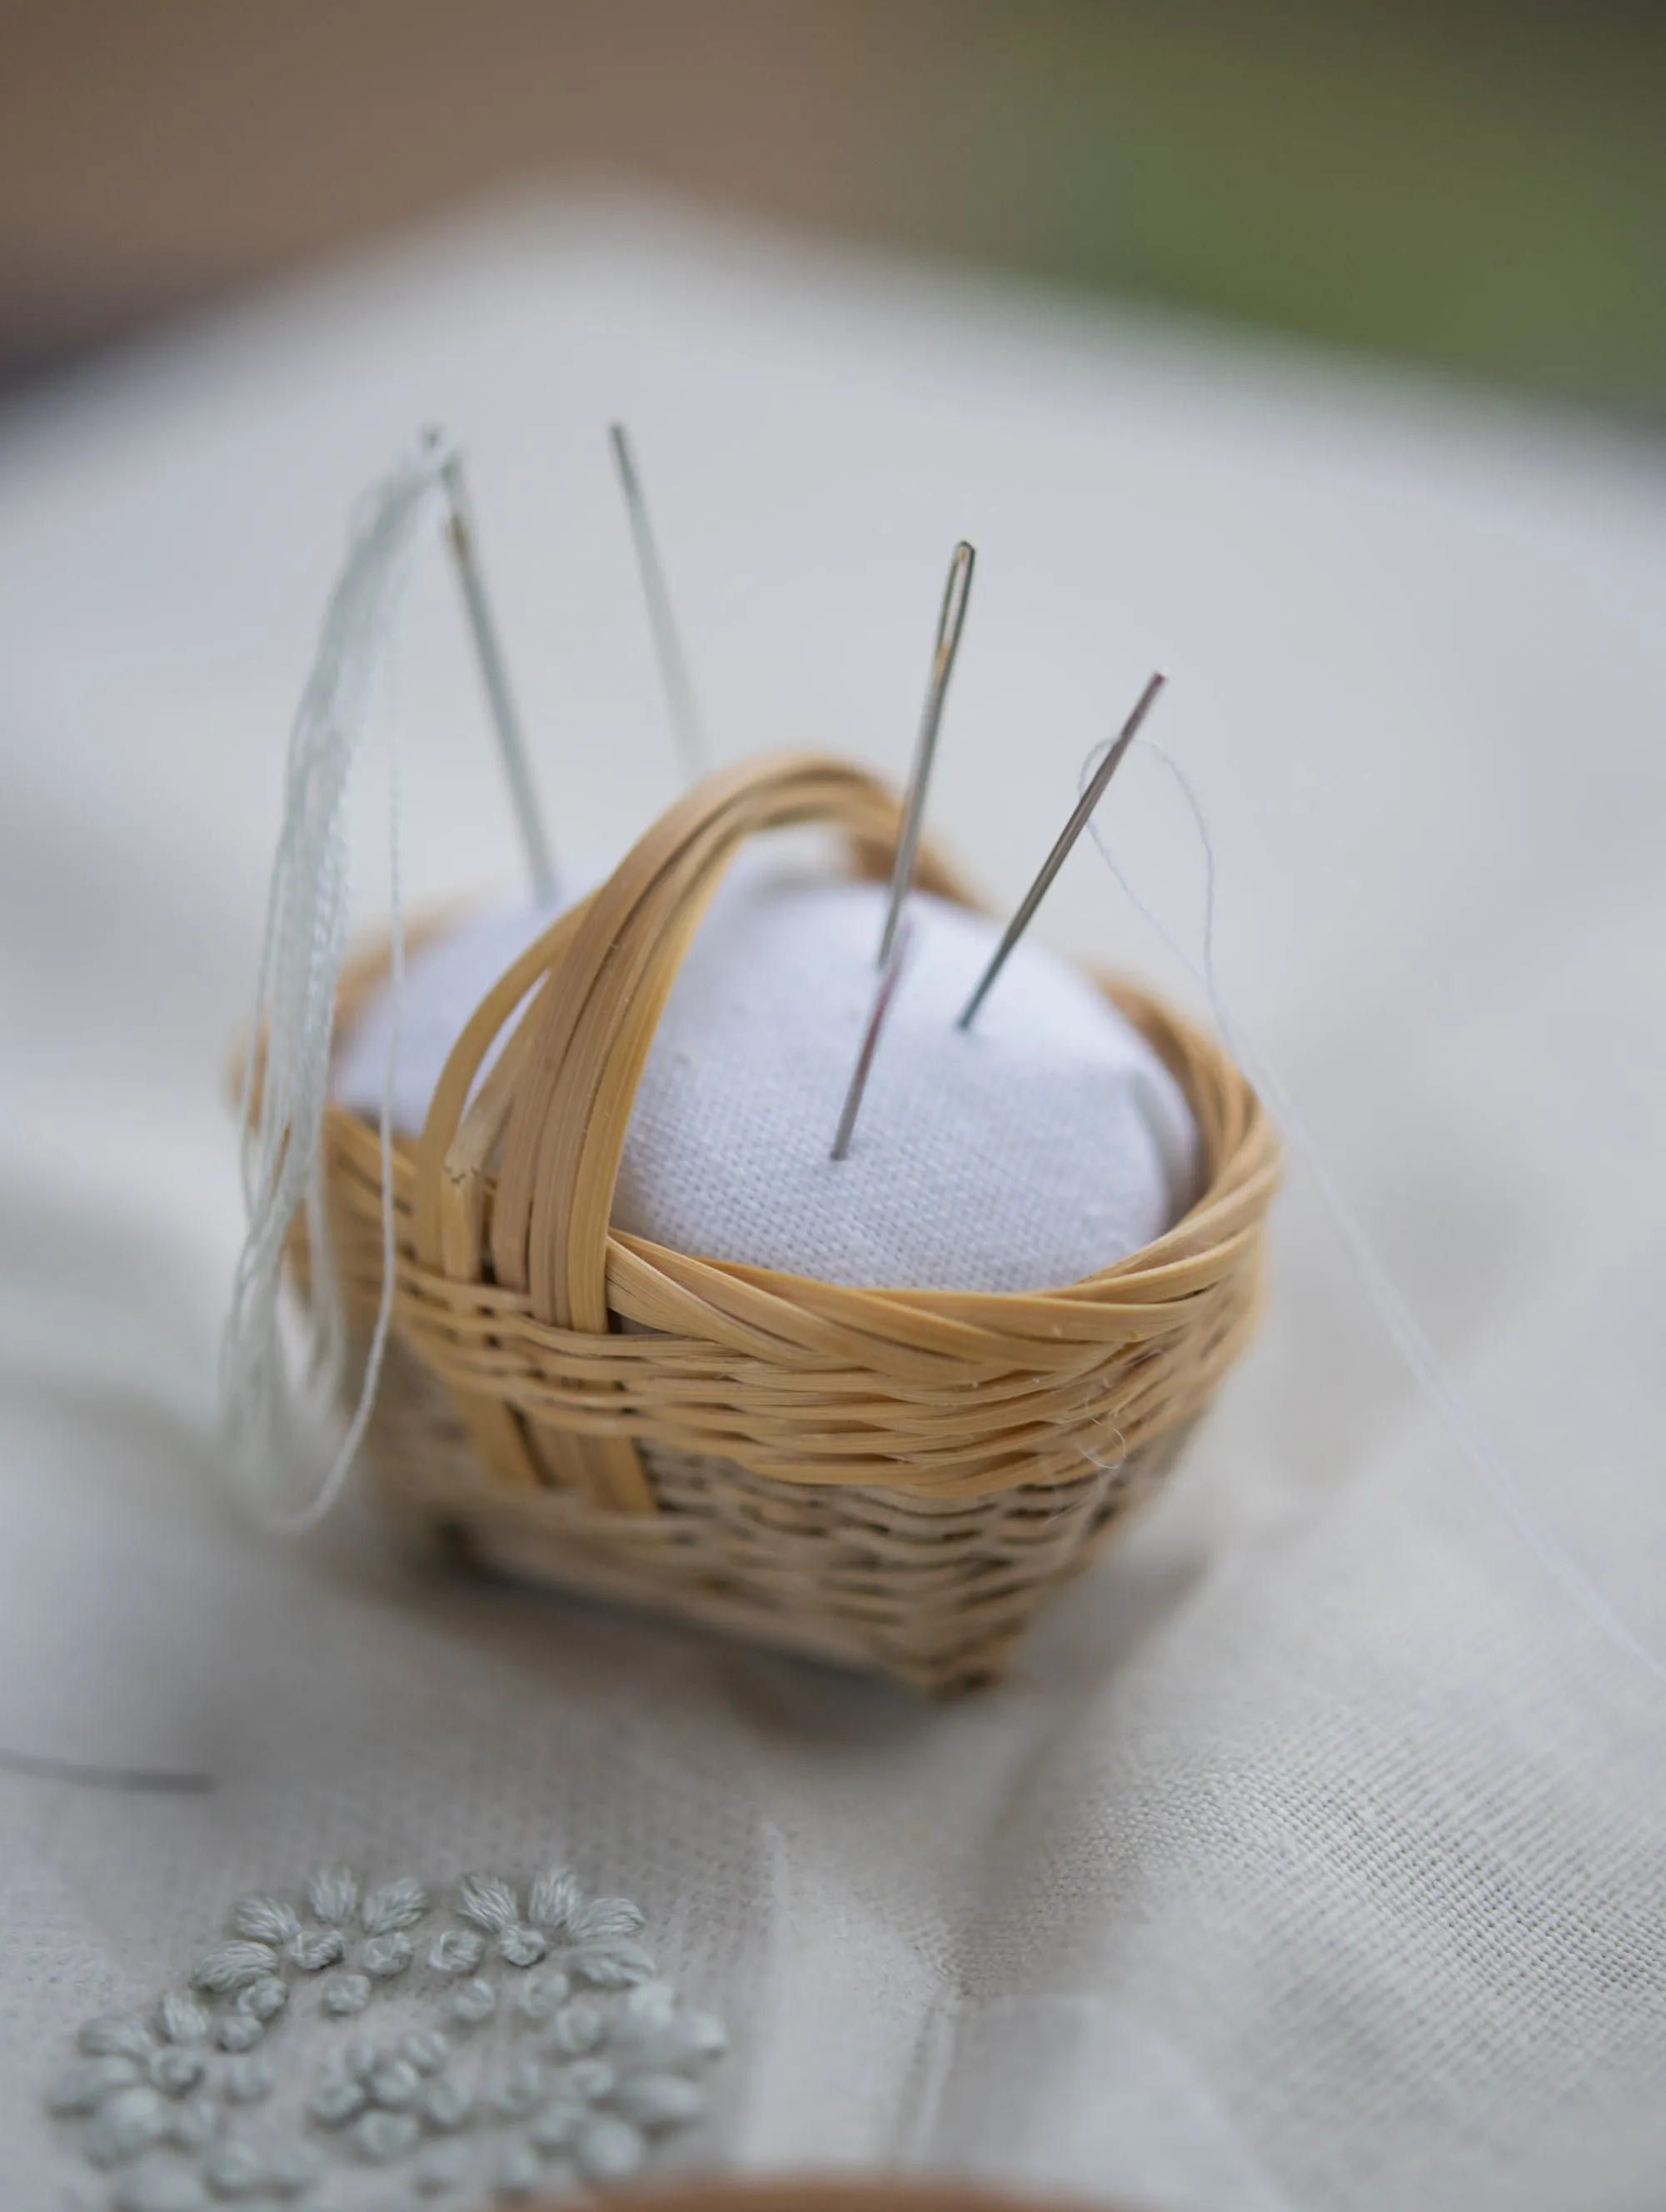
667 643
1055 859
950 623
890 976
500 699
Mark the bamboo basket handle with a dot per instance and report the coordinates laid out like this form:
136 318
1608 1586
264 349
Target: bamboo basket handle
607 977
467 1128
445 1115
871 843
607 984
451 1182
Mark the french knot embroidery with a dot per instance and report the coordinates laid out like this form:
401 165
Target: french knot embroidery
368 2050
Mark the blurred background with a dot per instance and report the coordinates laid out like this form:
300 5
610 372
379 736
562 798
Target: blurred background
1477 185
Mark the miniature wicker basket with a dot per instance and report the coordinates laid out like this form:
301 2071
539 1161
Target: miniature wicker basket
886 1478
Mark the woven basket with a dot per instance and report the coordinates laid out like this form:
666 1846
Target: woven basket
885 1479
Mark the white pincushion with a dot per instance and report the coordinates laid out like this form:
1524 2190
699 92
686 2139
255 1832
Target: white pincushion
1043 1146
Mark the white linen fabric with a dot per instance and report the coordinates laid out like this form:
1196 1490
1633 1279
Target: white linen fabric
446 978
1312 1857
1047 1142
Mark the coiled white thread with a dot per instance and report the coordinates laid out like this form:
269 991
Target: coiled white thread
267 1413
1400 1325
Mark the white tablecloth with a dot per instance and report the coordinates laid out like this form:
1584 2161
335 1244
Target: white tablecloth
1314 1855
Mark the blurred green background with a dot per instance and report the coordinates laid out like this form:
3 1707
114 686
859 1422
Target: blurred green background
1472 185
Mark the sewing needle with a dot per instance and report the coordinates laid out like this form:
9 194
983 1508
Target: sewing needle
500 700
950 623
1055 859
890 976
667 643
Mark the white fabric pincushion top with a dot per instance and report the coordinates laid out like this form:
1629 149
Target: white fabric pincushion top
1047 1144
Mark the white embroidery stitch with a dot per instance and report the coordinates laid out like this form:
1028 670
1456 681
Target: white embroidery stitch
530 2048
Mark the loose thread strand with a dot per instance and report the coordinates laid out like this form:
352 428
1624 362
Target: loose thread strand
1404 1331
286 1079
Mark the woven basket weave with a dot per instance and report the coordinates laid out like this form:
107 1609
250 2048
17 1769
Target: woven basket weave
889 1479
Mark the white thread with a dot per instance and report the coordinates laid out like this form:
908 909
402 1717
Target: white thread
264 1920
521 1947
290 1032
83 2086
181 2019
113 2036
332 1894
472 2004
1402 1325
232 1965
264 1998
315 1948
458 1951
395 1904
488 1902
384 1956
605 1921
554 1900
175 2072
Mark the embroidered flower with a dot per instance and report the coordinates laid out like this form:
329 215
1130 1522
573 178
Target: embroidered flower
532 2050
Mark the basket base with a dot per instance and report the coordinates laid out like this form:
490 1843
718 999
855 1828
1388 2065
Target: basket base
935 1592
